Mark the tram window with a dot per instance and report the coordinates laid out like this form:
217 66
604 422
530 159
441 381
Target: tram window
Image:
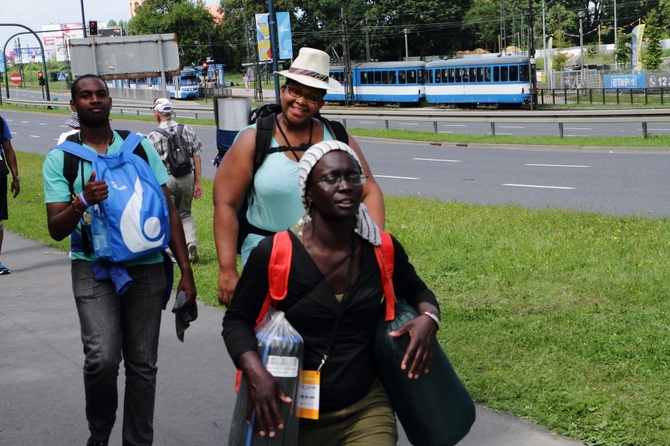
514 73
504 74
385 77
496 74
457 76
438 76
411 76
449 76
473 74
480 74
429 77
402 77
364 77
378 77
464 75
487 74
524 73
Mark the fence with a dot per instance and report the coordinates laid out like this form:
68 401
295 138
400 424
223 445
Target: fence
604 96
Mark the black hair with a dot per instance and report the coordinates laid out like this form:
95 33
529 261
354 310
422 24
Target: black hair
75 84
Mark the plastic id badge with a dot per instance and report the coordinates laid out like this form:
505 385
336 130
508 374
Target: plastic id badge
308 394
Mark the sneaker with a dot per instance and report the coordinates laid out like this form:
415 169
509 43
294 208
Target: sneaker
4 270
92 442
193 256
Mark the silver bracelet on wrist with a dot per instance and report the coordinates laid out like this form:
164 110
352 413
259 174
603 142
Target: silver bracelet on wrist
434 317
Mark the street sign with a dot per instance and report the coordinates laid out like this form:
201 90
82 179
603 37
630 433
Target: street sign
62 77
15 78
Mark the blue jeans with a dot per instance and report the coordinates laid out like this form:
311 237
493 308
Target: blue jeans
117 327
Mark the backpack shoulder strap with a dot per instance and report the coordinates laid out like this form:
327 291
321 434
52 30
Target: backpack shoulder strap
134 141
385 259
279 268
336 129
180 128
72 160
265 126
162 132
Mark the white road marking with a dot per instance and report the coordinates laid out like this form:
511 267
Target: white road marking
34 136
578 128
539 187
439 160
395 177
556 165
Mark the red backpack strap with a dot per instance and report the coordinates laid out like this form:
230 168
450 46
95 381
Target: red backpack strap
385 259
278 271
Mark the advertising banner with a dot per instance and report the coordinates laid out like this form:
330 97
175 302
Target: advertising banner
636 46
284 36
263 37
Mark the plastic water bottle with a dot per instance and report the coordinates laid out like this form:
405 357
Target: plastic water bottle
100 233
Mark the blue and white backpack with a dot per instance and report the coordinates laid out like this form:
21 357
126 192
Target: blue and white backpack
133 221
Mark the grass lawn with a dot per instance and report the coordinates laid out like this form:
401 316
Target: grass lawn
559 317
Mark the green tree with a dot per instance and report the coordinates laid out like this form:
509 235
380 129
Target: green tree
623 50
651 57
193 25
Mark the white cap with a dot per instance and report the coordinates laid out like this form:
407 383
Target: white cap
162 105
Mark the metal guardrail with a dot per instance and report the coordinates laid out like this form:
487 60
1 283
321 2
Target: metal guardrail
494 117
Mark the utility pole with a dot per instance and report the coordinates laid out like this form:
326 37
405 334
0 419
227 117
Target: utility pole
348 84
531 58
503 38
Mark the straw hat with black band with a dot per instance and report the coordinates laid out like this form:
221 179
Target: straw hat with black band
311 68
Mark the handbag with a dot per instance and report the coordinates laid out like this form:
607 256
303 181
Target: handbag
435 409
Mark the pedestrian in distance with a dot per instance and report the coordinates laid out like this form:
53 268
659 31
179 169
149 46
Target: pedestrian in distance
271 190
333 298
184 186
73 123
115 324
8 165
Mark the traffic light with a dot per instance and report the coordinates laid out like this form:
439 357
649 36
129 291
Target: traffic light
93 27
40 79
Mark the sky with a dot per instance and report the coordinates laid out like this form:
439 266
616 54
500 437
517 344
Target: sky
35 13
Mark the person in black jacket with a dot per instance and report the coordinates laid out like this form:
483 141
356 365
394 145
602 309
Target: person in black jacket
334 299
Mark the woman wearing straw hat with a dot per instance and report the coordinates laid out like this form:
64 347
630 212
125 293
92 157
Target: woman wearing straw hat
273 196
334 298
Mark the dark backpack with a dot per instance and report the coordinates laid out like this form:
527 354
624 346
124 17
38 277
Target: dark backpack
177 159
264 117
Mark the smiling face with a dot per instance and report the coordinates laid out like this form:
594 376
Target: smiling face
300 102
91 101
335 186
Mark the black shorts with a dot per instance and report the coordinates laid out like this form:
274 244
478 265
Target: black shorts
3 197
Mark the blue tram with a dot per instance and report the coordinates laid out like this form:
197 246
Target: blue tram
501 80
382 82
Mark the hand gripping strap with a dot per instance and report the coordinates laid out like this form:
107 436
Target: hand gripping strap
385 259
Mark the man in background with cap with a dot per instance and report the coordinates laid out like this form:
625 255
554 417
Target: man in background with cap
183 189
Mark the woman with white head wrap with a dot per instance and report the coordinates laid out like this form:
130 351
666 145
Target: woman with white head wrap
334 298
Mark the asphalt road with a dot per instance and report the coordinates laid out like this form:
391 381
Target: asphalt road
617 181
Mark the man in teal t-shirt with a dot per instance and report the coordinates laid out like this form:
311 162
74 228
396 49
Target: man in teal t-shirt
113 326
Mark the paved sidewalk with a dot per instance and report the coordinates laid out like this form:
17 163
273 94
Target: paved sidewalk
41 359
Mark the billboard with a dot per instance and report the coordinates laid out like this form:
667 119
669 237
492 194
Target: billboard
125 57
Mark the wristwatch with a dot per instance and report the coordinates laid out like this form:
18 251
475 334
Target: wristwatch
17 178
